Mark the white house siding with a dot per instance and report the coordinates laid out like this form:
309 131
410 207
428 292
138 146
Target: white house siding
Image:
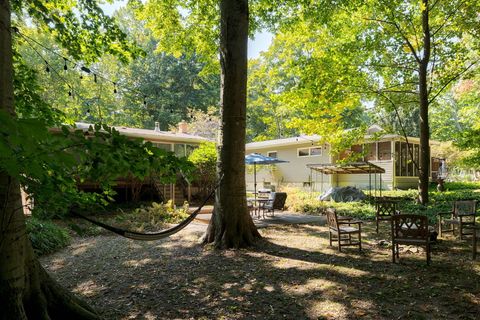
362 180
295 173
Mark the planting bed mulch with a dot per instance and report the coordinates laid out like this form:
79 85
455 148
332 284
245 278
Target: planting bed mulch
291 274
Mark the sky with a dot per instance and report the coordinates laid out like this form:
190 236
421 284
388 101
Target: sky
261 41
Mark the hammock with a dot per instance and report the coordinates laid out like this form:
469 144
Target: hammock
149 236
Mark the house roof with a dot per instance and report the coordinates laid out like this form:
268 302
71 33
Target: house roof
372 135
283 142
346 168
151 135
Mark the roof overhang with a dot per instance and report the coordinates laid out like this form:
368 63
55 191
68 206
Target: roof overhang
346 168
144 134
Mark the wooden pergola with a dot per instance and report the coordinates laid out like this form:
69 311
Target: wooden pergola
363 167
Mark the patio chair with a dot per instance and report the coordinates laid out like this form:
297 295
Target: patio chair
276 202
385 209
410 229
463 214
341 230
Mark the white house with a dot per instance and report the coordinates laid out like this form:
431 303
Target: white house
388 151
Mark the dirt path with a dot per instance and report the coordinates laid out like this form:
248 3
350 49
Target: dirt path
291 274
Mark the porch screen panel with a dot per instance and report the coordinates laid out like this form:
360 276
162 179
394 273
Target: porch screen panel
416 157
410 156
190 148
371 149
357 150
398 159
163 146
404 153
179 149
385 150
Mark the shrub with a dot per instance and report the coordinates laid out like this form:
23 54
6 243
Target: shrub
46 236
204 158
150 218
450 186
306 202
162 213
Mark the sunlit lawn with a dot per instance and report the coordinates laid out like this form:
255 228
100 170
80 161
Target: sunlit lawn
291 274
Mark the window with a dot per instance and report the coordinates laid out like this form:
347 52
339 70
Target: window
272 154
179 150
309 152
315 151
305 152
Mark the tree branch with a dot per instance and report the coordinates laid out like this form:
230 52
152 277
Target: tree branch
403 130
451 80
447 18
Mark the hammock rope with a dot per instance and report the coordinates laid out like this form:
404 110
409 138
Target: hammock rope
150 236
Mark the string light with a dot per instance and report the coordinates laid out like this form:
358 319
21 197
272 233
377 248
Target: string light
96 75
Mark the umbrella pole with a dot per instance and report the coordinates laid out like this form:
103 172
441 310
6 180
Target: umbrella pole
255 181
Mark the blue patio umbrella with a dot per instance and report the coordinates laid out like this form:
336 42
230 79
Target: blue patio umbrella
256 158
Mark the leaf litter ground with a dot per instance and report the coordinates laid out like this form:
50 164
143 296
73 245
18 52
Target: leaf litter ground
291 274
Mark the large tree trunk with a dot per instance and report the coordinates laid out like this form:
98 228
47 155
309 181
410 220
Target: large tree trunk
231 225
424 172
26 290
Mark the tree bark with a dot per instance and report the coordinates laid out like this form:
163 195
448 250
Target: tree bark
26 290
424 172
231 225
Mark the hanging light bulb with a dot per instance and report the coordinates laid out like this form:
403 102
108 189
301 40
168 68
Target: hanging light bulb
65 64
114 87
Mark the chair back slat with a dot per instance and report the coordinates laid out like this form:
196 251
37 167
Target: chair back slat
464 207
410 226
386 208
332 218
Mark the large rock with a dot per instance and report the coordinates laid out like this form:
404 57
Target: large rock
342 194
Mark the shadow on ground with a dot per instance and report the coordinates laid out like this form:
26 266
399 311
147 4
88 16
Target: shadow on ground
290 274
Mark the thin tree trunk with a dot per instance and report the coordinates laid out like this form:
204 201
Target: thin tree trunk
26 290
231 225
424 172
